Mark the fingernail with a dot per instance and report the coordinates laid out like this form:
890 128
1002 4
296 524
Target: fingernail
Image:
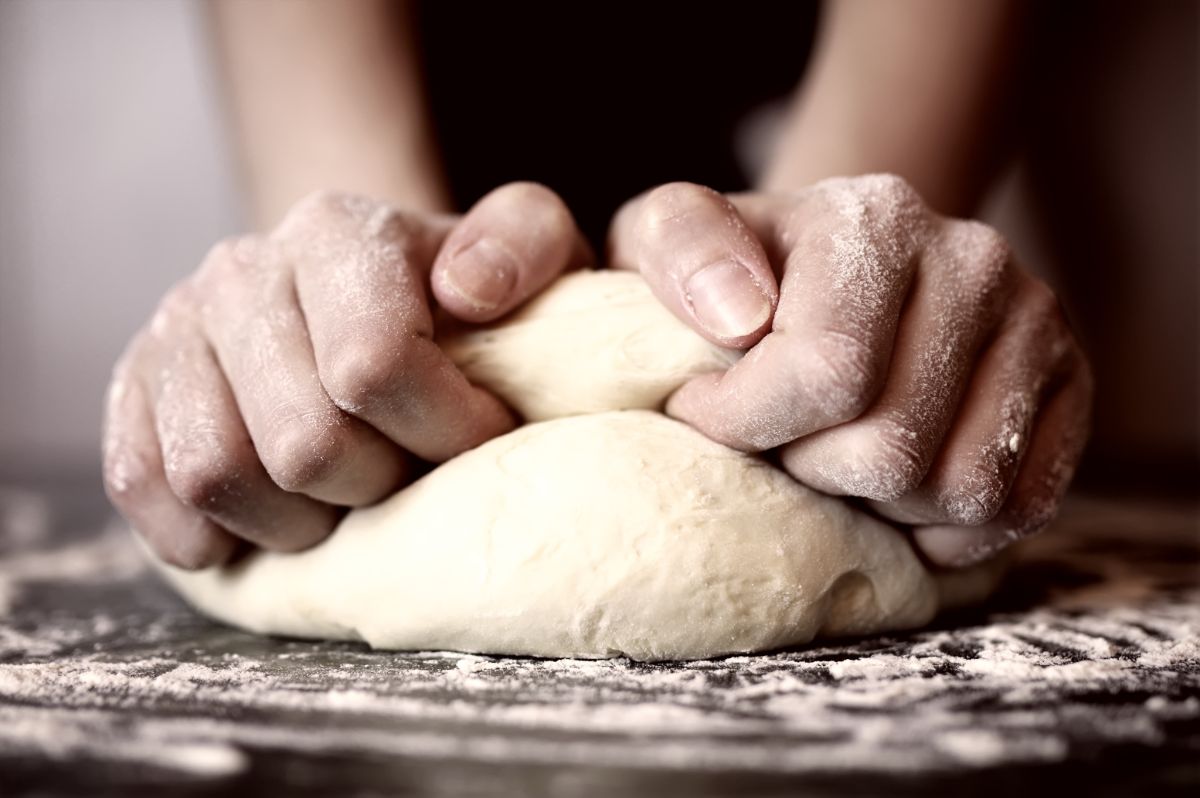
990 544
726 300
483 274
958 547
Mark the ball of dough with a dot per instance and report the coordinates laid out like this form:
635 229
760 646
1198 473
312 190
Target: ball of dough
594 341
603 531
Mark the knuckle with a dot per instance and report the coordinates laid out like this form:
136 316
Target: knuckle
894 460
842 374
887 184
207 477
322 204
229 256
975 497
990 253
994 250
1035 500
327 208
341 221
881 211
362 373
179 300
1043 302
225 249
389 230
1049 321
886 194
1029 513
306 451
126 473
169 318
979 262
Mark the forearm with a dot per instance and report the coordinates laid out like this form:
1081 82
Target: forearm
915 88
326 95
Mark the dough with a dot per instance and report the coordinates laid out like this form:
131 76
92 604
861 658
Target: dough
601 529
594 341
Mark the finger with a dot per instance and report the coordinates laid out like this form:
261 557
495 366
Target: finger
850 259
1058 440
136 484
971 475
701 261
305 442
371 333
209 459
956 303
506 249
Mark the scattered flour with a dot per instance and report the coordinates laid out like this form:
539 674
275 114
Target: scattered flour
107 557
1083 672
877 706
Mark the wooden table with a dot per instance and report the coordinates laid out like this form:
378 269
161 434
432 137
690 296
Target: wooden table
1083 674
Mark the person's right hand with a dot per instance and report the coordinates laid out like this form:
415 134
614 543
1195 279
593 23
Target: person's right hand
295 373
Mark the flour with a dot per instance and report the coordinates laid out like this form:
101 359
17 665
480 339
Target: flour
24 518
1109 662
89 735
107 557
876 706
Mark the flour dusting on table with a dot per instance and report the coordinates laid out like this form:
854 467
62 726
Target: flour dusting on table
97 662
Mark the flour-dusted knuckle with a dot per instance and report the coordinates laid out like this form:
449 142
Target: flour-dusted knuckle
606 530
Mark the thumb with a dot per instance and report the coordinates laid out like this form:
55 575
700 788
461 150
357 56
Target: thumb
701 260
507 248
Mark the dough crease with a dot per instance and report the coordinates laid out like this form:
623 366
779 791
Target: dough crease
601 528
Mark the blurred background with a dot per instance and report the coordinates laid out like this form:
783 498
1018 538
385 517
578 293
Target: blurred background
114 180
116 176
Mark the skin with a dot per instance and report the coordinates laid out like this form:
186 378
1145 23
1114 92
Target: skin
893 353
294 373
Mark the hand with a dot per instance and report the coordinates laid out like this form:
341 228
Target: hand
893 354
295 373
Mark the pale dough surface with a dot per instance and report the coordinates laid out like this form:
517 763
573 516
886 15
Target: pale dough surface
594 341
602 529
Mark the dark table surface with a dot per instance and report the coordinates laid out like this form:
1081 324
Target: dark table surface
1082 675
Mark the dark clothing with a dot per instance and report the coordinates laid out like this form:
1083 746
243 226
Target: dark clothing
602 101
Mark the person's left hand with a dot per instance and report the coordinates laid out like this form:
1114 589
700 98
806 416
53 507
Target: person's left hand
893 354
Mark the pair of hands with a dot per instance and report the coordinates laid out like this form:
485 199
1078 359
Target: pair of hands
892 354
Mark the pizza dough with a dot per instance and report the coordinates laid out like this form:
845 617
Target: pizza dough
601 529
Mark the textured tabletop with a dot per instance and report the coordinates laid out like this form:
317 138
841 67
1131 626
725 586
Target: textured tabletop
1084 673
